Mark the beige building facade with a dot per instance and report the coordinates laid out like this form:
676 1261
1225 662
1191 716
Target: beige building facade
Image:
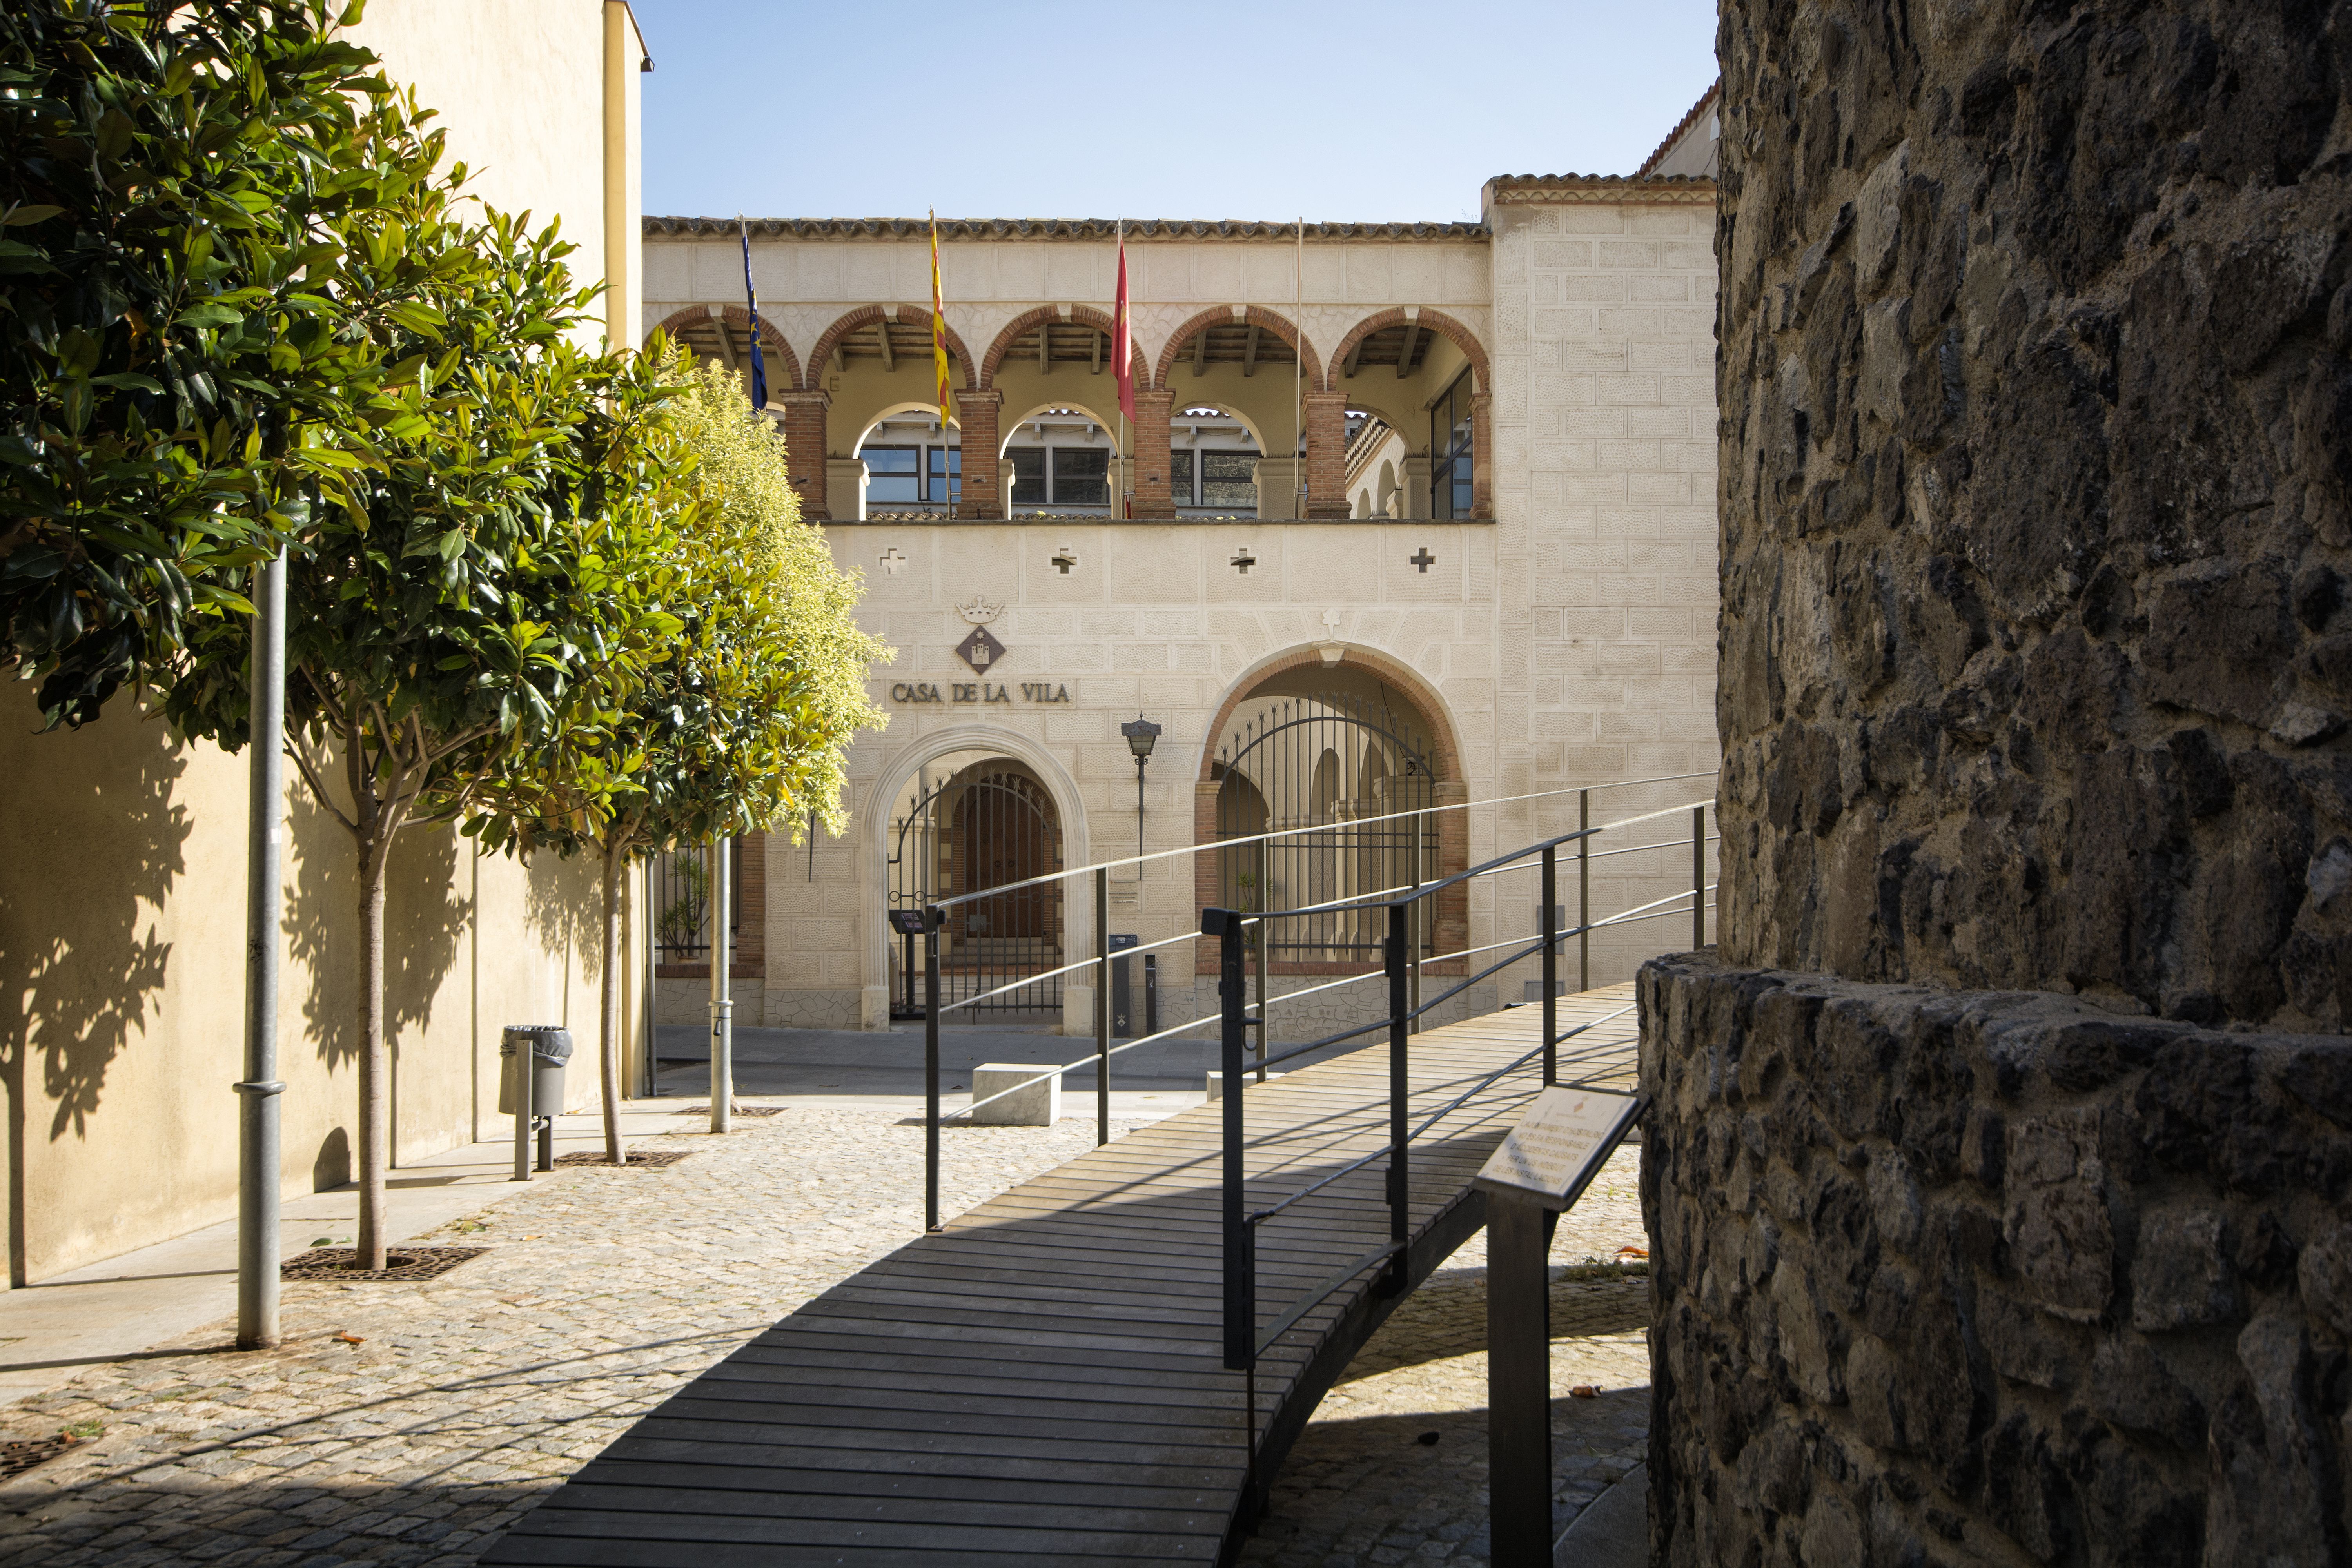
1521 602
122 890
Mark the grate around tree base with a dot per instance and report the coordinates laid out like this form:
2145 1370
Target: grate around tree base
17 1457
402 1263
639 1159
739 1111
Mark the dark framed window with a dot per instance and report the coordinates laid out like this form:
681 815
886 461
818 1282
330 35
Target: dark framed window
1081 477
946 473
1180 477
1229 479
891 478
1027 467
1449 450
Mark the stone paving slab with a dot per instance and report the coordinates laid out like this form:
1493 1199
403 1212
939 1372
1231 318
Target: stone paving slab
410 1423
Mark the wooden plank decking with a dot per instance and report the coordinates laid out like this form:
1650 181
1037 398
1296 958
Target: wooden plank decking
1042 1383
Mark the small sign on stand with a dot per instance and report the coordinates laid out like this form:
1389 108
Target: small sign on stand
1542 1167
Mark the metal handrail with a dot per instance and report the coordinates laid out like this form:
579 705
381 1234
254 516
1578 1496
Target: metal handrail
1244 1339
1317 827
934 916
1262 1216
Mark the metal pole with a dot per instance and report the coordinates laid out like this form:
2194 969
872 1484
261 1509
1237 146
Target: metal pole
1400 1191
722 997
651 1074
1102 1002
1518 1380
257 1114
522 1064
1699 876
932 918
1584 890
1548 917
1241 1287
1413 949
1264 949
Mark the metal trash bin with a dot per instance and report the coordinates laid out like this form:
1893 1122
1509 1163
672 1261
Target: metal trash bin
550 1047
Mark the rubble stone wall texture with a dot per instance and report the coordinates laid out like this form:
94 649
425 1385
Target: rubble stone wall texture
1946 1278
2036 499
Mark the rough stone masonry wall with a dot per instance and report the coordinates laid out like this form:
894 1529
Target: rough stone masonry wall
2036 498
1989 1277
2013 1229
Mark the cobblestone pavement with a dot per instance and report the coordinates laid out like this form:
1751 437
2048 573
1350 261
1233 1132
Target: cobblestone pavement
1365 1483
403 1424
408 1424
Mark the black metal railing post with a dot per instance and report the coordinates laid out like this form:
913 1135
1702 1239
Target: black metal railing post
1550 930
1584 890
1699 876
933 918
1416 925
1400 1034
1263 951
1102 1001
1241 1284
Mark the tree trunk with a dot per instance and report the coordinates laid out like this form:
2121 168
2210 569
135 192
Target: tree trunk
608 1012
374 1139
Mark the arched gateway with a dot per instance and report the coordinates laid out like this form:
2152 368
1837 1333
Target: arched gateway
966 824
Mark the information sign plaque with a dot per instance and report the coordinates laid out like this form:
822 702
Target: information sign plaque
1563 1139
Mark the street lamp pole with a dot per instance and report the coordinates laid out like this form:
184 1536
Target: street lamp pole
1141 736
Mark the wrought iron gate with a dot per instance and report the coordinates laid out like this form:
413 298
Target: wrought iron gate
991 825
682 902
1342 765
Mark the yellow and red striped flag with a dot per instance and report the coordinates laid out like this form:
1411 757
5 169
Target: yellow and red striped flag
939 326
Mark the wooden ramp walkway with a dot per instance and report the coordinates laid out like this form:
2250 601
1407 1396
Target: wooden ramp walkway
1042 1384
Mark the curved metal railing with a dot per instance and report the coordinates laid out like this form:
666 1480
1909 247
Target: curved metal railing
1406 1009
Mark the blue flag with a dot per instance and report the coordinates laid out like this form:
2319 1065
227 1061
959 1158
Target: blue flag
752 300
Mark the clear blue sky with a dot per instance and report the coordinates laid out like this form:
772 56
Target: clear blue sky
1370 111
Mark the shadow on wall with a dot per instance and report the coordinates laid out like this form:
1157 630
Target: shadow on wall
77 965
563 901
332 1168
425 921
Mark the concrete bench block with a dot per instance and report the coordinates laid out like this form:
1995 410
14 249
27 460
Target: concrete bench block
1033 1105
1217 1081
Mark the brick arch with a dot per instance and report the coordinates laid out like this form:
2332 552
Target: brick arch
1451 928
771 340
1098 320
1461 337
866 316
1253 316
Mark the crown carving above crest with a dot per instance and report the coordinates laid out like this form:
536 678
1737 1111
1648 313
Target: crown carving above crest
980 612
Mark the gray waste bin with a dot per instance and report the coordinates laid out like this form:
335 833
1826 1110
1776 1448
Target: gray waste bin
550 1047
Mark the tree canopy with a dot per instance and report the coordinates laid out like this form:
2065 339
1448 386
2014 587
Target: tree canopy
200 233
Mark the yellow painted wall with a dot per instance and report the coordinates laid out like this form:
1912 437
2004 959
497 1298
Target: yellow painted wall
523 87
122 887
122 915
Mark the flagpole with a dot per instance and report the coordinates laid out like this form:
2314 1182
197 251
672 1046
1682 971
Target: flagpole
1119 321
1298 372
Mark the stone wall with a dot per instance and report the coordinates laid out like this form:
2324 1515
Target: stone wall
1989 1278
2036 500
1990 1224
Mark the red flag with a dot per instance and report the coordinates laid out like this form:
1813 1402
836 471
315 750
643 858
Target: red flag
1122 360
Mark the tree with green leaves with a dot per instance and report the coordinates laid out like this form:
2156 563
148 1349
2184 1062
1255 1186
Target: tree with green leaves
440 617
187 364
744 725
